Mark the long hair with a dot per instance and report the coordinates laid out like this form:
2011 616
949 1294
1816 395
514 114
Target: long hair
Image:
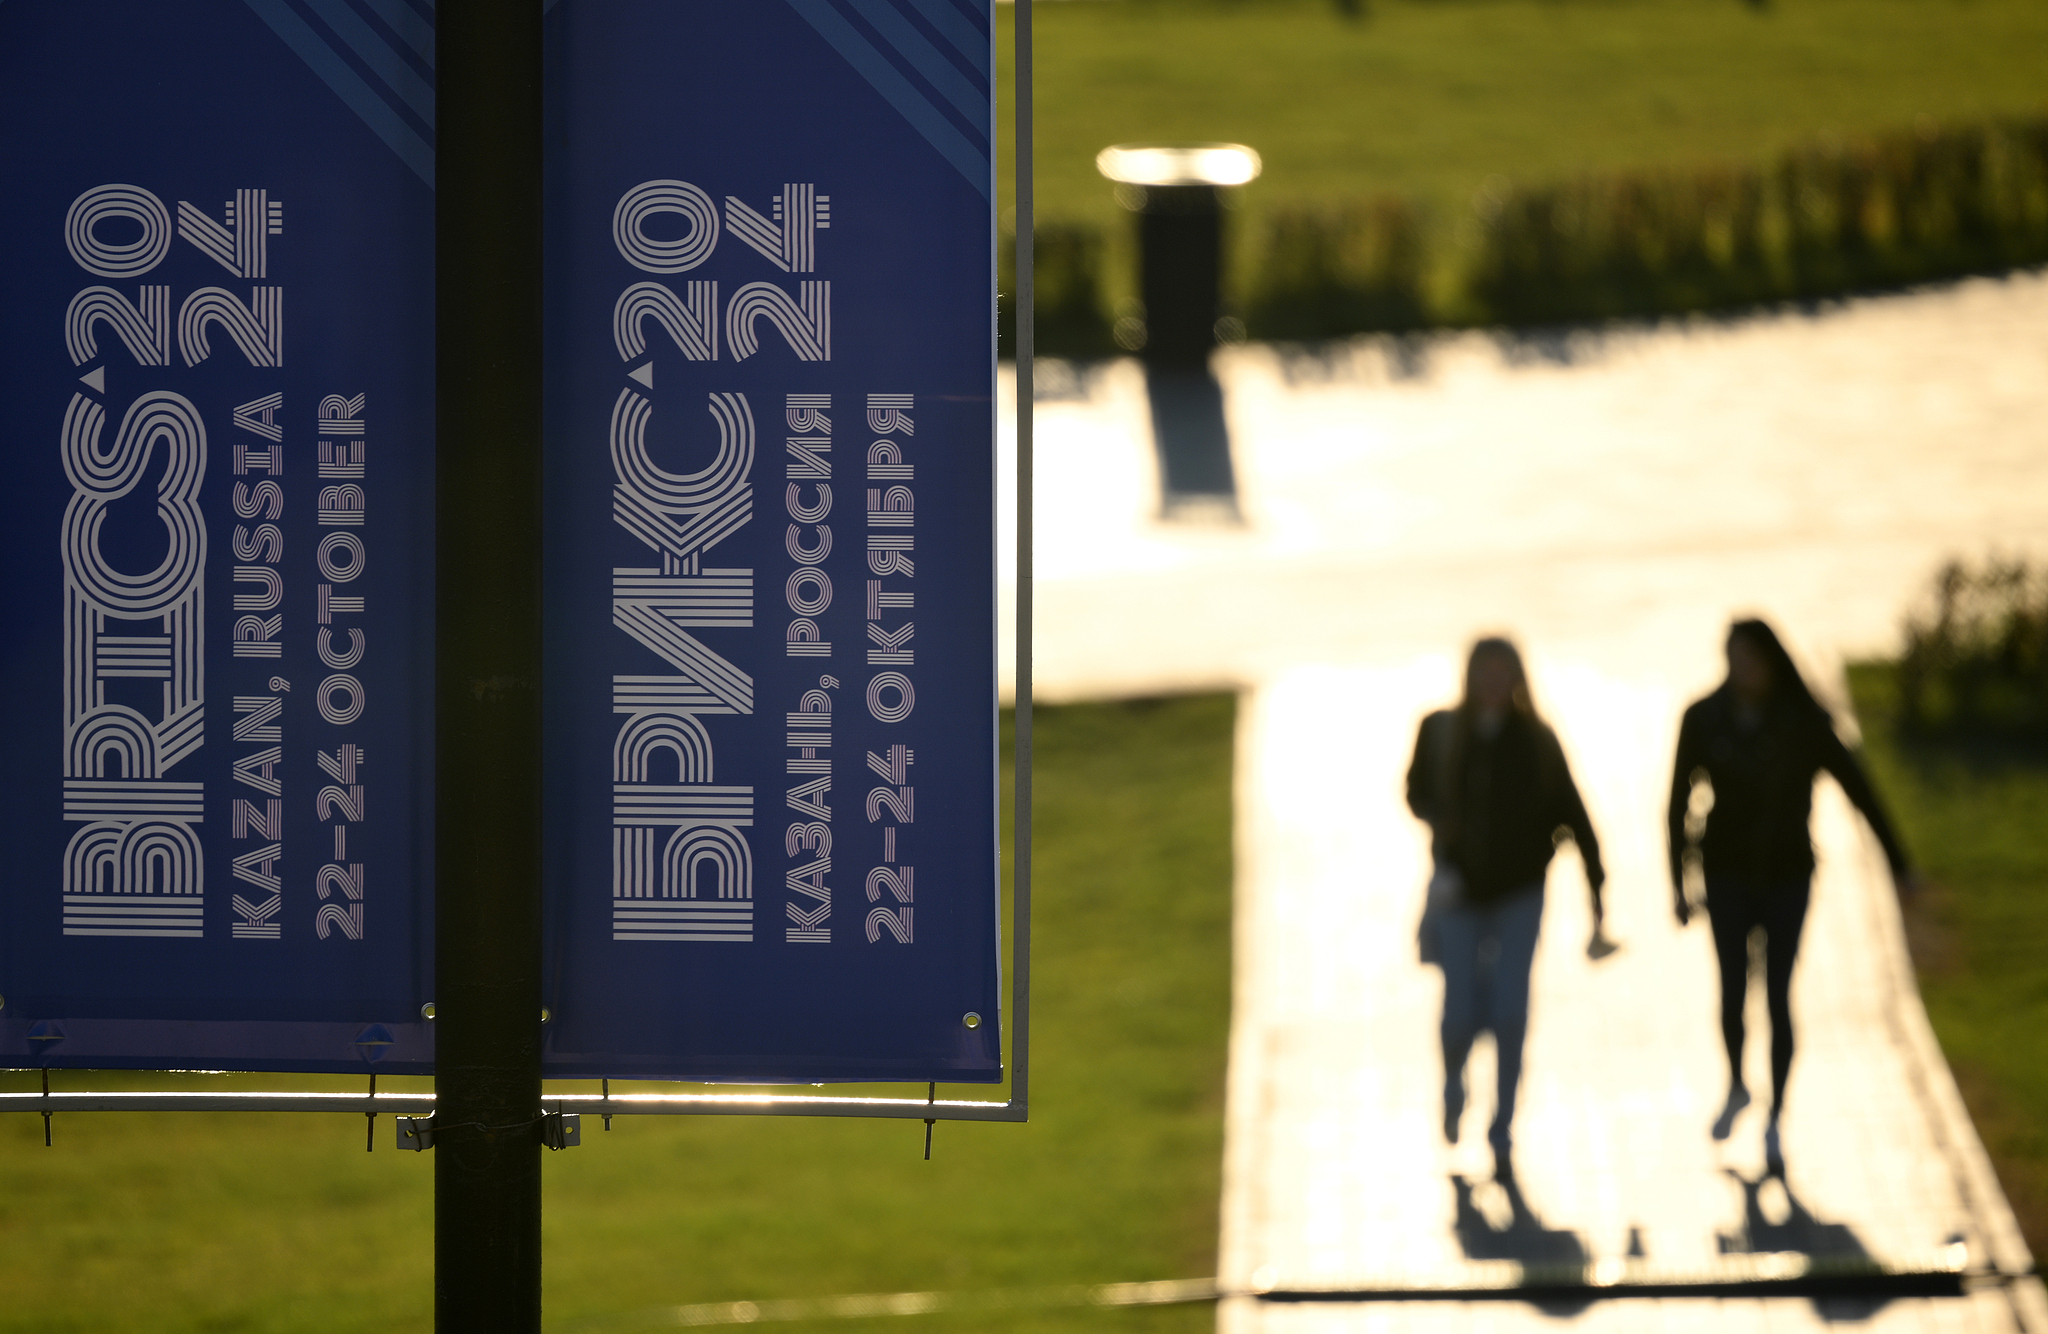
1788 687
1451 763
1503 649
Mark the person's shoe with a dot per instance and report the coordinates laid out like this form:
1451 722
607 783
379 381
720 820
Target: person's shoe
1724 1124
1774 1151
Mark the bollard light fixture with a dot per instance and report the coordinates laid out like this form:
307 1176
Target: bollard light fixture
1179 164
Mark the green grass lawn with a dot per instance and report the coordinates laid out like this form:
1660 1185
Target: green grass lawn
184 1222
1975 816
1429 98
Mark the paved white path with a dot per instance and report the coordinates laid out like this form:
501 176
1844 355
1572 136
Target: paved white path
1813 468
1611 508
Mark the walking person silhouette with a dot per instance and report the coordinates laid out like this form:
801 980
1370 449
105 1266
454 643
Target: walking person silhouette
1756 744
1491 780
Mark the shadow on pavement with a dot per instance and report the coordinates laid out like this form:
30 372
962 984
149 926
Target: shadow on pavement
1771 1226
1541 1251
1193 443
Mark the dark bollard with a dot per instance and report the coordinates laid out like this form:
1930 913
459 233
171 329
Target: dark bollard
1180 280
1176 193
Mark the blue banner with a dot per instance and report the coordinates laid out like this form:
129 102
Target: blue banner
771 686
216 374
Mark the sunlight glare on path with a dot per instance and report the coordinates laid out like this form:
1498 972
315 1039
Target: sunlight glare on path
1610 498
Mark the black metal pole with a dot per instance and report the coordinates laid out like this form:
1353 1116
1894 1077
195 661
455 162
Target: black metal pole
487 913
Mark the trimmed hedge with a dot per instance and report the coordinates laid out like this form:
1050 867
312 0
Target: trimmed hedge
1823 220
1068 266
1977 659
1324 273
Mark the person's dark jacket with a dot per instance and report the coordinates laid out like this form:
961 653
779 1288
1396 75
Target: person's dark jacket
1497 805
1762 777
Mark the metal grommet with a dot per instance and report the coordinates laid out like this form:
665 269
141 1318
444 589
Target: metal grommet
971 1019
544 1015
427 1010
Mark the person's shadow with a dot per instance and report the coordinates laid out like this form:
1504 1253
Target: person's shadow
1547 1255
1829 1245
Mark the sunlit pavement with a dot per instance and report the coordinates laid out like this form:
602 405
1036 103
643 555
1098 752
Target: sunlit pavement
1610 502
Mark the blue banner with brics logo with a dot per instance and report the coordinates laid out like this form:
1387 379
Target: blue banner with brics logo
771 755
770 549
216 383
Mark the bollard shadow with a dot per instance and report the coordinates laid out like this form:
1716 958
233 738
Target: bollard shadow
1831 1247
1193 443
1545 1253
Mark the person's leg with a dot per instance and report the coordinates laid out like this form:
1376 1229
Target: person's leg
1731 913
1784 920
1731 916
1516 922
1458 945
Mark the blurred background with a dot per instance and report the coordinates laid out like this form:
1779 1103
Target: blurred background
1592 320
1453 164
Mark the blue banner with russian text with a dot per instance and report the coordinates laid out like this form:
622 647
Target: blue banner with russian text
770 675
